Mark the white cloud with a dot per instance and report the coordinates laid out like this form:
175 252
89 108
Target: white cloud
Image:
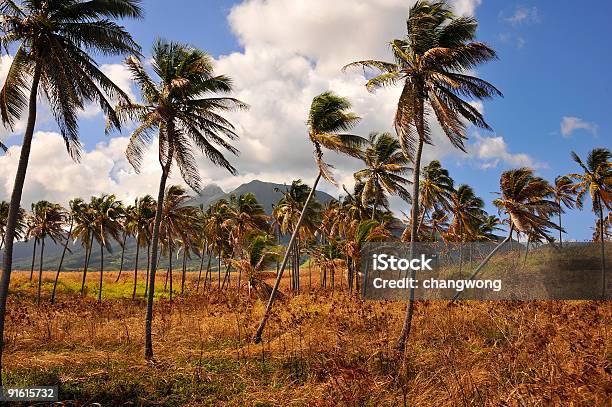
523 15
494 150
569 124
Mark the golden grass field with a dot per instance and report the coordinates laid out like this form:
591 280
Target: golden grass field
321 348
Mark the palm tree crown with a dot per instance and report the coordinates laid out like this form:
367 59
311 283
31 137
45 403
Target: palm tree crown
52 39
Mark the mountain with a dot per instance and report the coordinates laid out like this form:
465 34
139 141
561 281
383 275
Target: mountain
265 192
22 255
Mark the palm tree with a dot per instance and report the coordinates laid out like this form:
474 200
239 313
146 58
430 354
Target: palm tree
467 212
20 227
431 64
596 179
47 220
436 188
52 40
75 205
216 215
565 194
386 166
84 228
487 227
125 236
137 224
108 212
184 110
328 117
525 202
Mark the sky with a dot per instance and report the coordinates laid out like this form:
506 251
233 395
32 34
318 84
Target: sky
552 70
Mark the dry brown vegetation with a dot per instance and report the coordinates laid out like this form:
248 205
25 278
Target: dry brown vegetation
321 348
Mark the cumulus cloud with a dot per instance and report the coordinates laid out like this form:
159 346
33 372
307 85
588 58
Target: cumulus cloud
569 124
279 70
494 150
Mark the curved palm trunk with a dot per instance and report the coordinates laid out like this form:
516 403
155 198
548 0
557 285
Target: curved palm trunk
40 270
33 259
154 248
11 221
136 269
59 268
208 274
486 259
122 254
264 320
101 273
401 342
170 267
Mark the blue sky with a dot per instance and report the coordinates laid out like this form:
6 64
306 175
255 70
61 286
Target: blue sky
553 64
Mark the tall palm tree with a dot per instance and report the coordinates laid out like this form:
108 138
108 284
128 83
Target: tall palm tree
386 165
52 40
596 179
184 109
565 194
125 236
47 221
137 223
108 214
218 236
431 62
525 200
329 117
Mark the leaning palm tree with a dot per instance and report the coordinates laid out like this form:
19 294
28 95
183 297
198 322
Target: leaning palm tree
52 40
329 117
525 200
386 166
47 221
596 179
432 64
184 109
565 194
108 213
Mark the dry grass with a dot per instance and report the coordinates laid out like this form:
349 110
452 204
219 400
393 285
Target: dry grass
321 348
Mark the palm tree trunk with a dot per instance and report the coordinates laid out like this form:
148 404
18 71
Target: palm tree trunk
170 266
87 256
33 259
11 221
101 272
264 320
401 342
486 259
59 268
603 246
184 272
200 273
526 253
136 268
122 254
40 270
219 270
148 268
154 247
560 227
